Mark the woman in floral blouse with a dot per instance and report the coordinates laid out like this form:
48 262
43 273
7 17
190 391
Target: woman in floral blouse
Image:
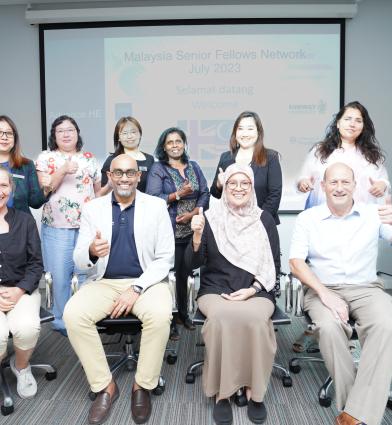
72 178
181 183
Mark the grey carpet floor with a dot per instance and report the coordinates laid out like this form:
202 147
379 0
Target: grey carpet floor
65 401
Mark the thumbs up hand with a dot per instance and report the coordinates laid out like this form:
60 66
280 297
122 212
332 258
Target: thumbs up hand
99 247
377 187
197 225
385 211
220 180
70 166
306 185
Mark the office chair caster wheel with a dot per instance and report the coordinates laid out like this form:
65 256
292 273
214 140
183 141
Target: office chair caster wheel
92 396
287 381
51 375
325 402
295 368
190 378
7 410
240 400
158 390
171 358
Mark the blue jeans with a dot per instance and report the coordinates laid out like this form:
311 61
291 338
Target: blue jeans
57 250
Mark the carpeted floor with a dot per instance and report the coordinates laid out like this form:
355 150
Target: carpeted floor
65 401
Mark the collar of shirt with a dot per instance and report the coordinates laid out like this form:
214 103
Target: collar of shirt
116 203
324 212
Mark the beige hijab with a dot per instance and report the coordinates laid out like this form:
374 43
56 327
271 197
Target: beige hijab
239 234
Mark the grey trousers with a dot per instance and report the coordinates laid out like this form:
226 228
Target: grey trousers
362 393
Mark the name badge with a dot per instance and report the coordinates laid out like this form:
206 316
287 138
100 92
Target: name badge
18 176
142 168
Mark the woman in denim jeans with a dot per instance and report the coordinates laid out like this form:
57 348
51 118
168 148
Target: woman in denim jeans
72 178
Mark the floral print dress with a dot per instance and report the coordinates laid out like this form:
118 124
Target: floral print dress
65 204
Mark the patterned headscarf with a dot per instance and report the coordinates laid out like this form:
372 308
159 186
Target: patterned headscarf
239 234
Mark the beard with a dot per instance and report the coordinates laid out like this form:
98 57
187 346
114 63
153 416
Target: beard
125 193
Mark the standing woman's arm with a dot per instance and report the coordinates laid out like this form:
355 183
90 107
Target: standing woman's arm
274 185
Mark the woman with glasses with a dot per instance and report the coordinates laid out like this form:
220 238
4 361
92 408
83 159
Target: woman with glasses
72 178
181 183
236 244
247 148
126 138
27 191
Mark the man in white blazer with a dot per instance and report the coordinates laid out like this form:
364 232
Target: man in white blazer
126 241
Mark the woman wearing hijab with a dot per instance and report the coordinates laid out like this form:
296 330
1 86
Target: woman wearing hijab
238 246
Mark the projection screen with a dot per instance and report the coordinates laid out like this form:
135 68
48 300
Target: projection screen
198 76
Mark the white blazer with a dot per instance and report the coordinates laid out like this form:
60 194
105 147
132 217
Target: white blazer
153 232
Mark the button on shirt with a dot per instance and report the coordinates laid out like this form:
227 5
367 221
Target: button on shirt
123 259
340 250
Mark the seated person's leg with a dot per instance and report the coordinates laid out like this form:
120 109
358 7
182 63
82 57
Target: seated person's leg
4 332
89 305
333 337
372 310
234 331
24 323
154 309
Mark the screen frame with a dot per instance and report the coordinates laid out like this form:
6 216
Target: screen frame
188 22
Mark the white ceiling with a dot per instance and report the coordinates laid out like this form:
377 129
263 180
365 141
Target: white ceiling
90 3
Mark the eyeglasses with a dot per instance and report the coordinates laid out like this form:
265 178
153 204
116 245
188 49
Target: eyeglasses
129 133
61 132
7 134
245 185
129 173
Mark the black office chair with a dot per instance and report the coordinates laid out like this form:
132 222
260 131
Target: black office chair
294 303
7 406
129 328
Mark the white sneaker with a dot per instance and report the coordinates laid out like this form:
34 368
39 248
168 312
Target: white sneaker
26 383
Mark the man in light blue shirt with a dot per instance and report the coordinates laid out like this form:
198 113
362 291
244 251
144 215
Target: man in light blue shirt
334 253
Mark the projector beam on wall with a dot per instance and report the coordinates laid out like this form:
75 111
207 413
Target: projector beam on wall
42 15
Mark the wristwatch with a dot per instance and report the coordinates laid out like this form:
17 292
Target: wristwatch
137 289
177 196
256 288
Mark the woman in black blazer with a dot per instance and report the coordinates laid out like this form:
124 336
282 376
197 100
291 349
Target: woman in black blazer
247 148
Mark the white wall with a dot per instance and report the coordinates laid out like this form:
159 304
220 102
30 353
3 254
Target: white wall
368 79
19 76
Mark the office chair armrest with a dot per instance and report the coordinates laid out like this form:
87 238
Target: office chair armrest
294 292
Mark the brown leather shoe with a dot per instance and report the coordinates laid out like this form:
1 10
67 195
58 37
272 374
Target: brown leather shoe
141 405
100 409
345 419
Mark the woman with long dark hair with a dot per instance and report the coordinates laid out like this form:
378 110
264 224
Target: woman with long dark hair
350 139
27 191
247 148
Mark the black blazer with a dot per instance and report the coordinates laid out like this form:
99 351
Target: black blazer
268 181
